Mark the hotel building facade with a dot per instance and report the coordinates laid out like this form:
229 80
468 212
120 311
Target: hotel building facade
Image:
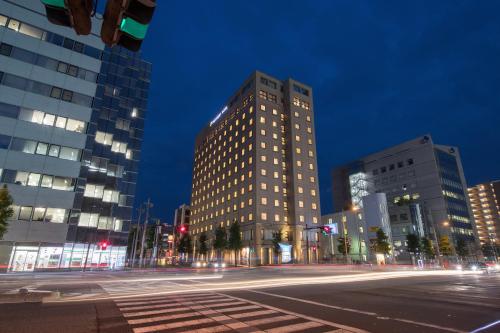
71 126
255 163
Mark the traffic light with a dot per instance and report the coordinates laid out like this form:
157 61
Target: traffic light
70 13
103 245
325 230
126 22
183 229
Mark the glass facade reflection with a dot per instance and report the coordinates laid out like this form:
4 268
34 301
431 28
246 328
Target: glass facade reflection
110 160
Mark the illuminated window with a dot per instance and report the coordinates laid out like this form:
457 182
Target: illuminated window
262 120
263 216
263 200
276 218
301 218
301 204
297 138
300 189
262 107
104 138
263 186
314 206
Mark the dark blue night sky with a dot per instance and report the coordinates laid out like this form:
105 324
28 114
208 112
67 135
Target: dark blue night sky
382 72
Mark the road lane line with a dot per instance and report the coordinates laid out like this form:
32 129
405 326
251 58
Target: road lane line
295 327
325 322
444 328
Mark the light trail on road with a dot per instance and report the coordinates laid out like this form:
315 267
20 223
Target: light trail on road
247 284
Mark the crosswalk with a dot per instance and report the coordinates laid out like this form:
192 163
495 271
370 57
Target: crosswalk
213 312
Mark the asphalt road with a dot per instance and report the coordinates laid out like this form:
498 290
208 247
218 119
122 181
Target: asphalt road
273 299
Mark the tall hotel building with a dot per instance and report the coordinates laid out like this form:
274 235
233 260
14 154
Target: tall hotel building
425 187
71 125
485 202
255 163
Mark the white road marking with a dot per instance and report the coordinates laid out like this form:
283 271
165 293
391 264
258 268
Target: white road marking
295 327
172 325
264 321
324 322
449 329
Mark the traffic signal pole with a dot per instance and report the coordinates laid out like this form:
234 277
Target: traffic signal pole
143 241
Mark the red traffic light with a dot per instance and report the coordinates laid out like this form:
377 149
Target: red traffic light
103 245
326 228
183 229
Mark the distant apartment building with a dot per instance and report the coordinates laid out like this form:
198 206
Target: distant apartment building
360 227
255 163
425 187
485 202
71 127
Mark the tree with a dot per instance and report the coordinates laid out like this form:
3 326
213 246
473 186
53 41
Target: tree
202 244
185 245
277 239
490 251
444 246
382 246
341 246
234 242
427 248
220 241
413 244
6 210
462 249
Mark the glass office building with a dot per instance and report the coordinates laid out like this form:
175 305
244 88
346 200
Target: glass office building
71 127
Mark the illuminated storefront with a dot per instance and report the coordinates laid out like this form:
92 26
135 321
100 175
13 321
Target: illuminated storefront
71 256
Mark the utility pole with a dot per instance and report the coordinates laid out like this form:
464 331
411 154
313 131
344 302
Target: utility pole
143 241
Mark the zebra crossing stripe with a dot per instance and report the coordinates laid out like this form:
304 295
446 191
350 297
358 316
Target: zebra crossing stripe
161 318
157 306
166 299
239 308
295 327
153 312
170 326
252 314
264 321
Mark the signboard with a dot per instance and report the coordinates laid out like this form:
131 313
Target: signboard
334 228
286 253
